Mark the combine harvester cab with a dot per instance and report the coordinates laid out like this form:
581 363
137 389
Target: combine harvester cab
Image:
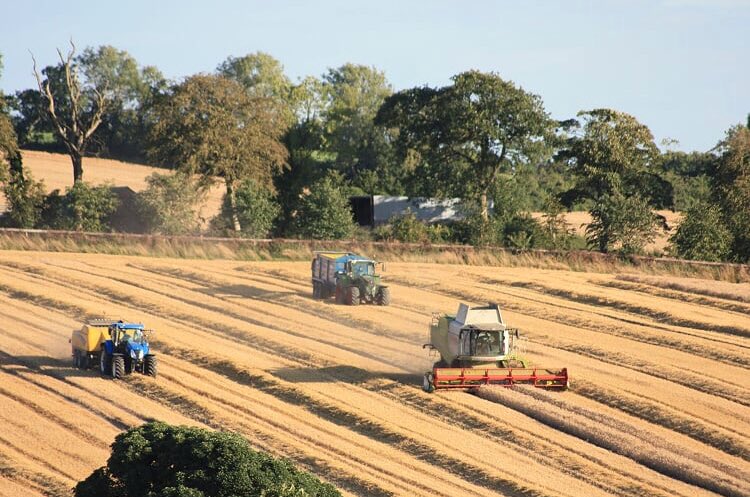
118 348
477 349
349 277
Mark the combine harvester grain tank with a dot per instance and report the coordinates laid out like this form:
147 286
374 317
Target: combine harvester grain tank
477 349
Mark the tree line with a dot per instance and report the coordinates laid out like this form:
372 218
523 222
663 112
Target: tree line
291 153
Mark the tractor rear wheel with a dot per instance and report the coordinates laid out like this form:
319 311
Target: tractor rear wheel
353 295
340 295
384 296
105 362
149 365
118 366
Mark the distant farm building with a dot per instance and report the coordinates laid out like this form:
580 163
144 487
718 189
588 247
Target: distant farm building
373 210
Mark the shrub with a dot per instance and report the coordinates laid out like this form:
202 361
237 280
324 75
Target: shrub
620 222
702 235
168 204
82 208
324 213
157 459
25 200
257 211
409 229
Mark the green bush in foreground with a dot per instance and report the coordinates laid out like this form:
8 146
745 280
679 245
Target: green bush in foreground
159 460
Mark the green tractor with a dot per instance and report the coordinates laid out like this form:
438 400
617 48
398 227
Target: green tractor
349 277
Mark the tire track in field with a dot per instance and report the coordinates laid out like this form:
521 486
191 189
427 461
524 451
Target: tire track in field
597 473
46 485
356 423
597 429
221 310
299 302
680 296
405 483
648 411
632 309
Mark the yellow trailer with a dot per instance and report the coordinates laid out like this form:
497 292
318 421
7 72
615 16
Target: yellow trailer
87 342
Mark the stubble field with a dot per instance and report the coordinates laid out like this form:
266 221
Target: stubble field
659 404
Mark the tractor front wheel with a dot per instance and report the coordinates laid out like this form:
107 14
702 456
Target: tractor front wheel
118 366
353 295
384 296
105 362
149 365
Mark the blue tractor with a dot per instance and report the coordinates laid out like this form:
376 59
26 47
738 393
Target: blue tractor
126 350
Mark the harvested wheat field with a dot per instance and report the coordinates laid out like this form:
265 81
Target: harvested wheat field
659 404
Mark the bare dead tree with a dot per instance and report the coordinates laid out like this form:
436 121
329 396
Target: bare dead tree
79 124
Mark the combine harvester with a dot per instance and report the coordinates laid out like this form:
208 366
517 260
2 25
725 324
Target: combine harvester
119 348
477 349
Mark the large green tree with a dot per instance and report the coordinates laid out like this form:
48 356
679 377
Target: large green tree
458 139
262 76
159 460
353 94
614 160
731 188
130 91
209 125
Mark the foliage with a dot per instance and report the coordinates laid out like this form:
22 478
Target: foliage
262 76
324 212
459 138
25 198
689 174
352 96
624 223
614 154
731 188
168 204
130 91
209 125
159 460
702 235
256 208
82 208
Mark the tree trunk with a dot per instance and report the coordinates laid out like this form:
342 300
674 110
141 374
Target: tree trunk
485 209
233 207
77 160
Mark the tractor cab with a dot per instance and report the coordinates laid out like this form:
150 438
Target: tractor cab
361 268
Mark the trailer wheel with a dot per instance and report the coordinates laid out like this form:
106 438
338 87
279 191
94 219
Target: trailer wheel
149 365
316 290
384 296
83 360
105 362
353 295
118 366
428 383
76 360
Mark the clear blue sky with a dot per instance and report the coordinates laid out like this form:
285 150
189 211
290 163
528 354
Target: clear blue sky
680 66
